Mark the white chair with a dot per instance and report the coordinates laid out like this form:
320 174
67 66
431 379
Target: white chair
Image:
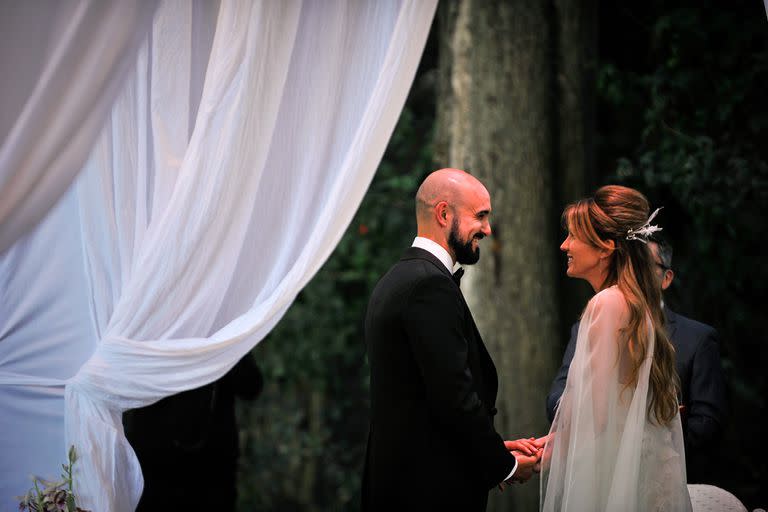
708 498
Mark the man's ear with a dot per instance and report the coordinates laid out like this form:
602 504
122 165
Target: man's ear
442 213
669 276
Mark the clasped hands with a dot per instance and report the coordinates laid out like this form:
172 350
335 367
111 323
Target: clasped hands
528 453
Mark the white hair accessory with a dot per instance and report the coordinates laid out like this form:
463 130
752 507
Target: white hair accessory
643 232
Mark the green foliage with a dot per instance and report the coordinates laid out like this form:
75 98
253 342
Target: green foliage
703 114
683 110
303 440
53 495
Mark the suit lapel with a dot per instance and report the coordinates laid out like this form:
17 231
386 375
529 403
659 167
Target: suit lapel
485 375
489 374
417 253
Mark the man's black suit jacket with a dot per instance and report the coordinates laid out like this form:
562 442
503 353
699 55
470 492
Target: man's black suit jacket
431 444
697 359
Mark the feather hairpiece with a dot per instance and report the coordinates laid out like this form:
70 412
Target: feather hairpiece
643 232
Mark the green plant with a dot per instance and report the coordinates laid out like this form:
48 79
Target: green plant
53 496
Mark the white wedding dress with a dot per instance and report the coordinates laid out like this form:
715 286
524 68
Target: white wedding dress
605 453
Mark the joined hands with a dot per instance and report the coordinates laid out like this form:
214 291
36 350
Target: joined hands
528 453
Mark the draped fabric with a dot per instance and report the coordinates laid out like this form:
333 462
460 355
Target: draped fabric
604 453
62 65
231 164
45 336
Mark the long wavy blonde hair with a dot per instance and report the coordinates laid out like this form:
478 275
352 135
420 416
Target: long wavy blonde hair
607 216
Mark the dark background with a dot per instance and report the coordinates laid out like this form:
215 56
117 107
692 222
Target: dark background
681 114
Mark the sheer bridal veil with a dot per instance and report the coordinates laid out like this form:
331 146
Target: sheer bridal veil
604 452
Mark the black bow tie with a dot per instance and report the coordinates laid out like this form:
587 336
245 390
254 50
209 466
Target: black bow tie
457 276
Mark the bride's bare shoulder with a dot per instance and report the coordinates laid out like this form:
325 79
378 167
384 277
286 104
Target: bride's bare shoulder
609 300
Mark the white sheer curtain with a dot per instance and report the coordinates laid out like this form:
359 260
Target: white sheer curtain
45 336
61 66
202 216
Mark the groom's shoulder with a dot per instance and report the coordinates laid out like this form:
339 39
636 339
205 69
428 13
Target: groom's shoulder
414 268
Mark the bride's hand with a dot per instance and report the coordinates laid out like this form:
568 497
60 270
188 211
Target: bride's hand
544 455
541 441
524 446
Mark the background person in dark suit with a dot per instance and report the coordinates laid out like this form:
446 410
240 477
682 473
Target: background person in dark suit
188 446
697 360
432 444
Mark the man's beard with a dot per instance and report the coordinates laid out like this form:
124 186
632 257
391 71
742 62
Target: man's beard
463 250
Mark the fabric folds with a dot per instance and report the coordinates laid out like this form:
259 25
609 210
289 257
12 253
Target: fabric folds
63 63
604 453
230 165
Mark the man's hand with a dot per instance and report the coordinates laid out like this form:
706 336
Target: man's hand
525 466
527 454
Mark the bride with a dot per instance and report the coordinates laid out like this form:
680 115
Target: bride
616 442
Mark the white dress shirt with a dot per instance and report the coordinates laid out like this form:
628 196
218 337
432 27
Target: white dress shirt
439 252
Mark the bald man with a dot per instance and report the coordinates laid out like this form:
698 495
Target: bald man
432 444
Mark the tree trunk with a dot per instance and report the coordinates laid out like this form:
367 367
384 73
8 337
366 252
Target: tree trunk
575 174
506 114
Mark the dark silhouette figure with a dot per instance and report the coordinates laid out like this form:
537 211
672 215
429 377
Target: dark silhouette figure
188 446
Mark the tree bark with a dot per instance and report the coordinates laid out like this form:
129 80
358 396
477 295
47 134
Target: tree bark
575 174
513 109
